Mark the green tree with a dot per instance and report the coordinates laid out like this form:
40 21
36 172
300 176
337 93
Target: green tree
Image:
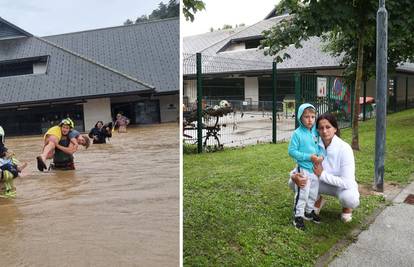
142 19
227 27
128 22
349 29
166 11
171 10
191 7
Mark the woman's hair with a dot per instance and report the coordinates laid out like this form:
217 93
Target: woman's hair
96 124
332 120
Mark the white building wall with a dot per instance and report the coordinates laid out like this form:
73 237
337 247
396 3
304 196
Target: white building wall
96 110
169 110
251 88
236 47
337 72
190 90
39 68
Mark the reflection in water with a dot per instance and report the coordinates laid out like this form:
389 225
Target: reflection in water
119 208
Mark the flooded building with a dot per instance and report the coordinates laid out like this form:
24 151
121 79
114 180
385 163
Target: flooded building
89 76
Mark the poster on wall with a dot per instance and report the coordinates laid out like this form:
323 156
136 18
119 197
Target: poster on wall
321 87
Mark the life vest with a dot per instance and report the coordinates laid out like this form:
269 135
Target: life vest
9 171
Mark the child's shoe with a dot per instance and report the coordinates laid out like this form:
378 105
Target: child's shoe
312 217
41 166
298 223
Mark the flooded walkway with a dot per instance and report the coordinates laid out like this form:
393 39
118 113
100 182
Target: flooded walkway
119 208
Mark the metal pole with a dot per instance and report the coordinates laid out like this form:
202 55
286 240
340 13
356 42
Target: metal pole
298 97
199 105
274 85
381 84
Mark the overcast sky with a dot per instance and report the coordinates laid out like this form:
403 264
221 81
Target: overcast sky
49 17
220 12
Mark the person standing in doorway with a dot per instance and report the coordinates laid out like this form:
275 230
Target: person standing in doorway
121 122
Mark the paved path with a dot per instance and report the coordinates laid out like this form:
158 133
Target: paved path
389 241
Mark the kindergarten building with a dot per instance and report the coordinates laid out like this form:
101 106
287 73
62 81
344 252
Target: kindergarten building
234 68
89 76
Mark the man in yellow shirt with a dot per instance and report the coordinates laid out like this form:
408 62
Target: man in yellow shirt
52 138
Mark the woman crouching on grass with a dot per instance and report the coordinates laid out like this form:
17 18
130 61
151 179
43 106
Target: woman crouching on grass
337 171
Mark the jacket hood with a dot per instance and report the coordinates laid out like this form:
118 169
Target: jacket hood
300 112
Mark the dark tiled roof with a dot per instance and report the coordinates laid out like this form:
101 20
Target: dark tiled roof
406 67
148 51
197 43
257 28
68 76
9 30
214 41
310 56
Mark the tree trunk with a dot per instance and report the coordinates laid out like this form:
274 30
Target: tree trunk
358 84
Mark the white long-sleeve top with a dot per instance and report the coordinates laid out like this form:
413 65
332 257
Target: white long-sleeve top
339 164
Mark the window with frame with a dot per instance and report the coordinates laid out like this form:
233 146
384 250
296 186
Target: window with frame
23 66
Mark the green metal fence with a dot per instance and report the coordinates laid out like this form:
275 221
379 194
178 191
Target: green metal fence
210 126
271 118
328 94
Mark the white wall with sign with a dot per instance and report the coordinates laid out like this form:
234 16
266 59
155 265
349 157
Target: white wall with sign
321 87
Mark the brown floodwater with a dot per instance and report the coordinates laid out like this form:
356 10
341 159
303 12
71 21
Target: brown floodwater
120 207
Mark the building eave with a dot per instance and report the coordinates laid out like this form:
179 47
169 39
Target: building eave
67 100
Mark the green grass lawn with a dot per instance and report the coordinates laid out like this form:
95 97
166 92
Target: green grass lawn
238 206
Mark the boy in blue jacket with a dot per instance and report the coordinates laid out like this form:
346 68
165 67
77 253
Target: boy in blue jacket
304 149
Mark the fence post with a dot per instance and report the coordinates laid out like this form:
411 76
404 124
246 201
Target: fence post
352 101
199 105
274 87
406 92
328 89
394 88
297 97
365 100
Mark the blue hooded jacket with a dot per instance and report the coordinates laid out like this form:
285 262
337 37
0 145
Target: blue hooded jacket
304 142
